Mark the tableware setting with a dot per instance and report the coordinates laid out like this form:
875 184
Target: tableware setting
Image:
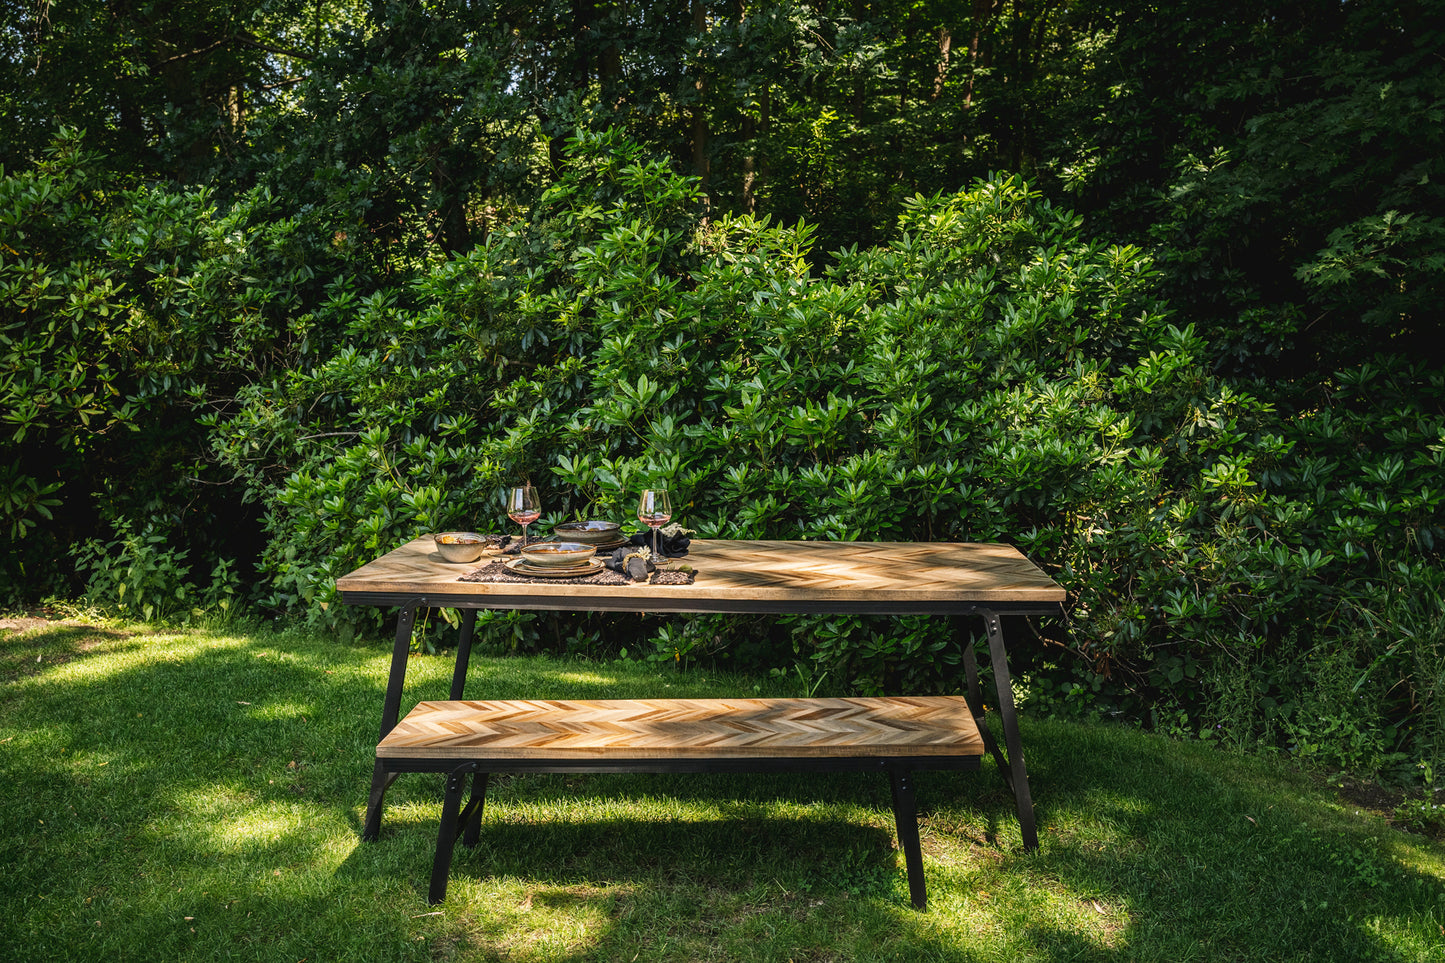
557 554
523 507
465 546
521 566
584 548
596 532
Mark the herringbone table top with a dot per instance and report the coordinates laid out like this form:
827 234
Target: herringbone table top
743 576
541 730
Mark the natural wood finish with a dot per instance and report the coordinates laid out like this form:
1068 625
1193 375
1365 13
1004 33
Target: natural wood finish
541 730
744 576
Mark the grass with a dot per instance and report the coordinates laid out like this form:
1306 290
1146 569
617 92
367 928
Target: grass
194 795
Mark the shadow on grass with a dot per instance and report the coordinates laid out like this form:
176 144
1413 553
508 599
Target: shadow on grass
197 796
164 789
1201 853
1151 850
30 646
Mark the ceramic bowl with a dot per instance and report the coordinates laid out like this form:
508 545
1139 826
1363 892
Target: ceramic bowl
460 546
589 533
557 554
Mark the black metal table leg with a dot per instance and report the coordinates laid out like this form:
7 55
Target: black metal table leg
471 816
905 818
1018 775
380 780
974 697
1011 767
464 653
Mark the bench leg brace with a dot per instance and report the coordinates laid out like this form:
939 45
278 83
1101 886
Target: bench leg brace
905 818
391 708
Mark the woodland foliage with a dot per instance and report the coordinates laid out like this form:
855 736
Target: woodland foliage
297 282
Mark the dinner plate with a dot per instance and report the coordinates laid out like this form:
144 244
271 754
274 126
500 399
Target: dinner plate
609 546
522 567
592 532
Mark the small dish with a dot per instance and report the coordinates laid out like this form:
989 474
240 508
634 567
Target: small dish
594 532
557 554
460 546
591 567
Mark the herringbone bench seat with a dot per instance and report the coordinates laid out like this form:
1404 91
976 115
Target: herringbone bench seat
895 735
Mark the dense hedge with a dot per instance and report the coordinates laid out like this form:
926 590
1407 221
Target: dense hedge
1242 562
1239 565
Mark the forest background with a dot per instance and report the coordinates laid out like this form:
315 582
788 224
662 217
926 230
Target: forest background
1148 290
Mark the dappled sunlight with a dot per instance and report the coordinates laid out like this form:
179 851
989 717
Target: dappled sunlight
221 819
36 648
275 710
1131 832
538 922
575 677
170 797
140 651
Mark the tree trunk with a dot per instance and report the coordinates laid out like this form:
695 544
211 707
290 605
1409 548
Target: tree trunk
701 133
1029 33
860 84
945 48
979 16
750 171
609 74
583 13
755 162
453 234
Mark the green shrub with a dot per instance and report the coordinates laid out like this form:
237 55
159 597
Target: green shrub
125 312
138 575
992 373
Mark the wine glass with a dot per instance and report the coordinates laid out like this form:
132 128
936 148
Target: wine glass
523 507
654 509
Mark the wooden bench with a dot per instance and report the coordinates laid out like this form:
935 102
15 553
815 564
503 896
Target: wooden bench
892 735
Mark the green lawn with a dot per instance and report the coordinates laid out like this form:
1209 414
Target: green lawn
190 795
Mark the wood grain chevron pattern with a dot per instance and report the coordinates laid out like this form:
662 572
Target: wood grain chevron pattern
743 576
686 729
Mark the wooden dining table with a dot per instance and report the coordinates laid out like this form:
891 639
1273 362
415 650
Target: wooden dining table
964 581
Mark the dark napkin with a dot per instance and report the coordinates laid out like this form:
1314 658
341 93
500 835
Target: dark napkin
636 561
668 546
633 566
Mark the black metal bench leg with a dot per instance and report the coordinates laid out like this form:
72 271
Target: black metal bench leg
471 816
446 836
381 781
905 818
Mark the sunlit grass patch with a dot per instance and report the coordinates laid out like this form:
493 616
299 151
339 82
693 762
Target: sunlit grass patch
172 796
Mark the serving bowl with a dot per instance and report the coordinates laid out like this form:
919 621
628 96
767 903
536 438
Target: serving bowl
460 546
557 554
594 532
